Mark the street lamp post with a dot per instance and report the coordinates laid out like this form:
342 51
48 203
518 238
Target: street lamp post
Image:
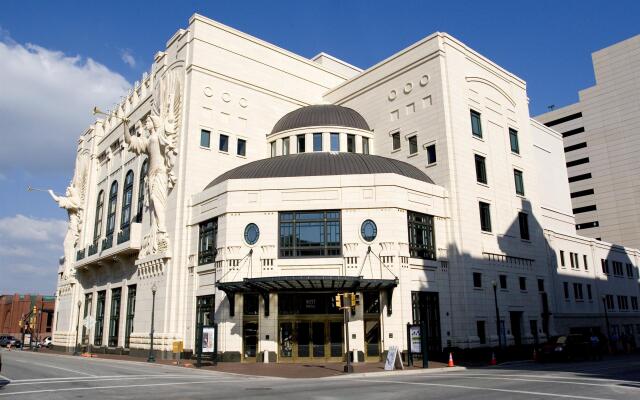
495 300
76 352
154 288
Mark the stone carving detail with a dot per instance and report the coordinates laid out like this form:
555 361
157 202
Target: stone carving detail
73 202
158 139
151 269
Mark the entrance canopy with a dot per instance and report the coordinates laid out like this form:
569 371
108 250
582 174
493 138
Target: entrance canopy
339 283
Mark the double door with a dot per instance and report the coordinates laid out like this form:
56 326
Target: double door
311 339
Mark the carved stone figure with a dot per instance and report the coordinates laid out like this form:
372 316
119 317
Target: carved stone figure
158 139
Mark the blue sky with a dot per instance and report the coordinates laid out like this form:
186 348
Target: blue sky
57 59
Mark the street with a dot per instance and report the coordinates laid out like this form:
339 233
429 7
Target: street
27 375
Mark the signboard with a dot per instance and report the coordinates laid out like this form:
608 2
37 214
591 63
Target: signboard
415 339
27 339
177 346
89 322
393 359
208 338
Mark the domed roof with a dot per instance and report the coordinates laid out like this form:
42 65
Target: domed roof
321 115
321 164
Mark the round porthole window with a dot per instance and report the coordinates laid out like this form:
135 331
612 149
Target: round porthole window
369 230
251 234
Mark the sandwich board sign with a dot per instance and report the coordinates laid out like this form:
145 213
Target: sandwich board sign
393 359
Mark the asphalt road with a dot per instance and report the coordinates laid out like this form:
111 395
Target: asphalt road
28 375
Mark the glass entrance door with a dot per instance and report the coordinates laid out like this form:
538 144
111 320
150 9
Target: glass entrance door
250 342
303 339
318 339
372 338
336 338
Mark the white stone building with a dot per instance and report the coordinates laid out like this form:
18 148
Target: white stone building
274 182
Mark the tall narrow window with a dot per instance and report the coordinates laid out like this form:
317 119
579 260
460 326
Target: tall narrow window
395 139
351 143
561 258
481 331
481 170
413 144
111 209
523 283
300 140
127 199
285 146
97 228
477 280
476 124
317 142
503 281
421 236
143 176
131 312
99 327
335 142
605 266
242 147
586 265
485 216
565 287
365 145
519 181
114 317
205 138
431 154
273 149
513 139
207 246
523 220
223 145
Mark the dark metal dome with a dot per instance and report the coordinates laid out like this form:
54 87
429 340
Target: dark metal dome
321 115
321 164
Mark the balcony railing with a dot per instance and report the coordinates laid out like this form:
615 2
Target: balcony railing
80 254
124 235
93 249
107 242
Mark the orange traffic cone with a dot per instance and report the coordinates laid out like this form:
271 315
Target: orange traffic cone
450 361
493 359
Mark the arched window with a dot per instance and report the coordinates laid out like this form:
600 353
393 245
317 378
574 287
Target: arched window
111 210
143 175
97 228
127 198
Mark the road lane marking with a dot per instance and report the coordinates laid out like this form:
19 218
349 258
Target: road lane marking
54 367
556 376
508 378
566 396
119 378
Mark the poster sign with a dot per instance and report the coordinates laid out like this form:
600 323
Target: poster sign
208 337
415 339
393 359
177 346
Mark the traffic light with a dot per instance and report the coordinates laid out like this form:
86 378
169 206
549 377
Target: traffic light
337 301
35 309
357 299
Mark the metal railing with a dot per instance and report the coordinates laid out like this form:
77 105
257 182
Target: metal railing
125 234
107 242
80 254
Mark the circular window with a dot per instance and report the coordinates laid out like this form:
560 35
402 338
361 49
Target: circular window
251 234
369 230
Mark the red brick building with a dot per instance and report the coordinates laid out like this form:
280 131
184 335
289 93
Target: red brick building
14 307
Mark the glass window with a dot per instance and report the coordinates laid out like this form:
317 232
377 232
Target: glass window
477 280
127 199
97 228
310 234
586 265
395 138
365 145
421 236
540 285
207 241
431 154
413 144
300 140
476 124
605 266
131 312
481 332
523 283
251 234
503 281
273 149
481 170
99 327
111 210
369 230
519 181
523 220
114 317
513 139
351 143
371 302
335 142
242 147
485 217
285 146
224 143
577 291
317 142
565 289
251 303
143 175
561 258
205 138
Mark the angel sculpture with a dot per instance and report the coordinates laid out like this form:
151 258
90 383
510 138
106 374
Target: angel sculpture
158 139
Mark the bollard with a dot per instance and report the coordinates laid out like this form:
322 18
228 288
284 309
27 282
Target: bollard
354 356
265 357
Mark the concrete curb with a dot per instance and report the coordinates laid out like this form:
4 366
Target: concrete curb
400 372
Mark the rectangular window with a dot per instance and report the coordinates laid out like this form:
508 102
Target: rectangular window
565 286
477 280
317 142
207 241
131 313
114 317
519 181
630 270
605 266
617 268
421 236
480 329
224 143
587 225
485 216
503 282
540 285
579 210
351 143
582 193
589 294
577 291
274 151
250 303
431 154
395 138
578 162
365 145
285 146
577 260
580 177
572 132
335 142
523 220
623 303
561 258
205 138
242 147
575 147
513 139
413 144
586 265
523 283
564 119
371 302
300 140
634 303
572 260
88 300
99 327
476 124
310 233
608 299
481 170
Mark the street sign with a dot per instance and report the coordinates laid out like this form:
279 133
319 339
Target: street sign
178 346
89 322
415 339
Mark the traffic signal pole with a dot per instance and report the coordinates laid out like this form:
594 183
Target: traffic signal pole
347 368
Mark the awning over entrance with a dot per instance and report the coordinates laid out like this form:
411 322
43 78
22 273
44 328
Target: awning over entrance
338 283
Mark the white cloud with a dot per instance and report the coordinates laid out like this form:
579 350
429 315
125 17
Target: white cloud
27 229
45 104
127 57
